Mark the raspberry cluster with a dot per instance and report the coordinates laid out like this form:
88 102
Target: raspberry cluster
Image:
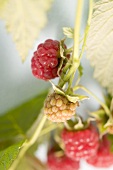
80 144
58 108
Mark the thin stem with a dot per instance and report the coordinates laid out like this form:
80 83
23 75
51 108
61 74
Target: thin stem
75 57
92 94
59 141
48 129
59 153
69 50
87 27
28 144
68 75
78 80
77 30
67 126
90 11
37 132
70 84
61 81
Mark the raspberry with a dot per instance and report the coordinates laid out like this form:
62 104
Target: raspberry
103 158
80 144
58 108
46 60
61 163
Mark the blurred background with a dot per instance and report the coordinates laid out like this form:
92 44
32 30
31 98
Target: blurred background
17 83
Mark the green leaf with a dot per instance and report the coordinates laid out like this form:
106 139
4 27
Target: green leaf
24 20
8 155
80 69
62 56
72 98
100 43
18 121
75 98
69 32
98 115
57 89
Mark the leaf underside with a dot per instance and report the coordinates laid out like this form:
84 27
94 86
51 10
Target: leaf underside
24 19
100 43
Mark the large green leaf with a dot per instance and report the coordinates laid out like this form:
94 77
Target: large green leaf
19 120
8 155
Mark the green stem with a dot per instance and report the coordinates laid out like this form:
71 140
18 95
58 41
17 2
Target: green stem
92 94
78 80
28 144
69 50
48 129
70 84
61 81
90 11
68 75
87 27
77 30
75 56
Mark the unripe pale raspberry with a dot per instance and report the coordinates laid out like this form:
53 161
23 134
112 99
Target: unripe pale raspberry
46 60
80 144
58 108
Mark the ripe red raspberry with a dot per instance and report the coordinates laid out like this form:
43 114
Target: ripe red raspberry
58 108
80 144
61 163
46 60
104 157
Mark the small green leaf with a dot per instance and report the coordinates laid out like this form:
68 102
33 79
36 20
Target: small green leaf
72 98
102 129
99 114
8 155
80 69
57 89
62 49
18 121
79 125
76 97
69 32
109 123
